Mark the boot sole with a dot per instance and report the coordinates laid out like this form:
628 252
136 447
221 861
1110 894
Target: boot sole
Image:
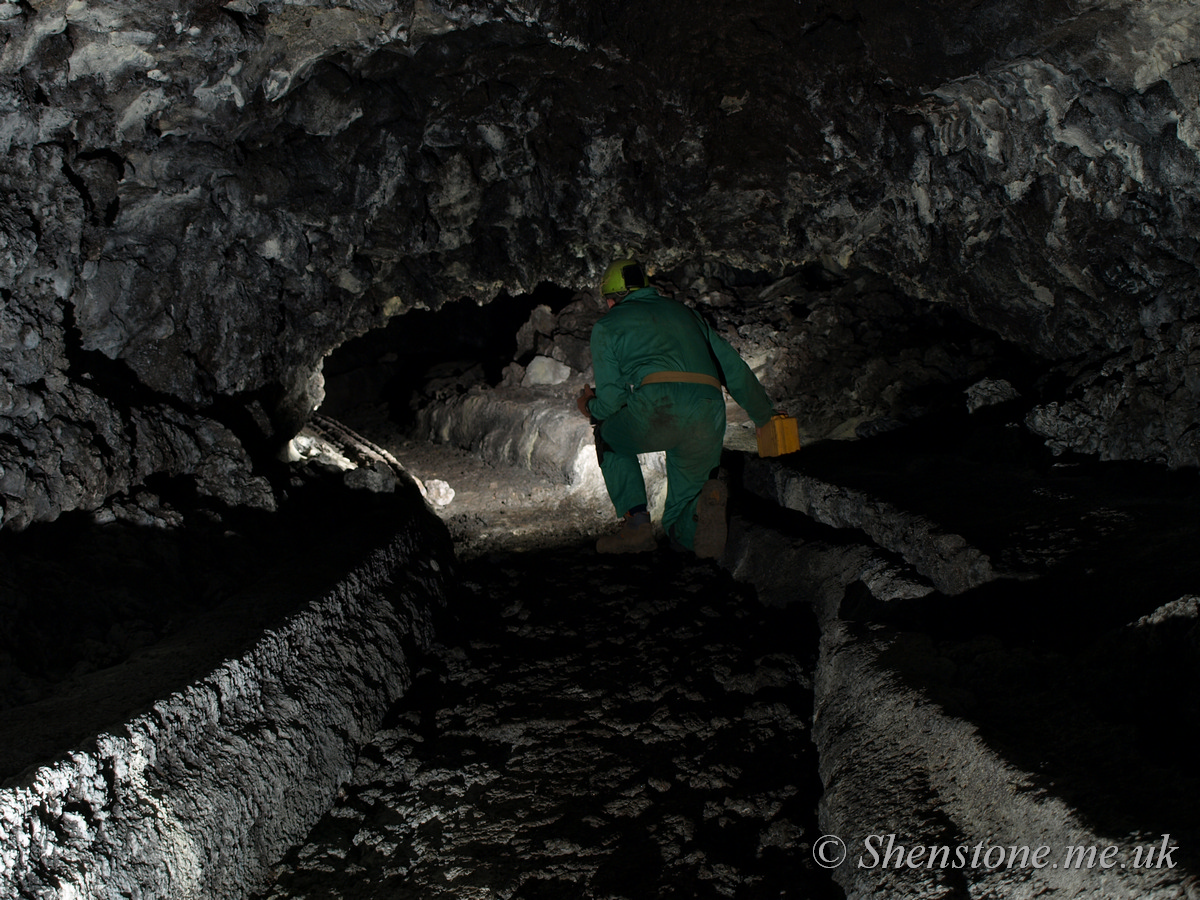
711 528
623 542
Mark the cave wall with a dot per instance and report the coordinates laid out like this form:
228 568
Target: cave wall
202 200
200 790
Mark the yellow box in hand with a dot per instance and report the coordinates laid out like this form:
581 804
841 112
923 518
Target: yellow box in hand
779 436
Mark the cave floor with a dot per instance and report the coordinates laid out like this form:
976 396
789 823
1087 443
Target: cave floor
500 508
587 727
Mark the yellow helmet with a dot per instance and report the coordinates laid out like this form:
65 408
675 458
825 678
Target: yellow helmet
623 276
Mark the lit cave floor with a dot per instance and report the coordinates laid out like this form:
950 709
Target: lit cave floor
588 727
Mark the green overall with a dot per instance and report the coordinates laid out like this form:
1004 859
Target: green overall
647 333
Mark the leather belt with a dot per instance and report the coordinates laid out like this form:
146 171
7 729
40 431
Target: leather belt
685 377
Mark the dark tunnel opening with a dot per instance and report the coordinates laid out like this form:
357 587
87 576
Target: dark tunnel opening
461 343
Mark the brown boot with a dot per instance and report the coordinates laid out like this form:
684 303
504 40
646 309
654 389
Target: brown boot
636 536
711 529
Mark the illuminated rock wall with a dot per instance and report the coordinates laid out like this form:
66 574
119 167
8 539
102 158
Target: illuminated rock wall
171 774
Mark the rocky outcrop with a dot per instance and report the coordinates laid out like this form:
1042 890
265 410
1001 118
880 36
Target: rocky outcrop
951 564
919 803
168 773
201 201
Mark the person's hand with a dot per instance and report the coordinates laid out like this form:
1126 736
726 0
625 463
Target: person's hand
582 400
761 429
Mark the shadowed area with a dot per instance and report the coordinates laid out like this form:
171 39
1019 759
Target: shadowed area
102 620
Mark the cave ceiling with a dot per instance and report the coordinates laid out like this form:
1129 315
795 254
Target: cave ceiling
202 200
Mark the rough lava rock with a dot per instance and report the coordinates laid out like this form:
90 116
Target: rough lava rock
201 200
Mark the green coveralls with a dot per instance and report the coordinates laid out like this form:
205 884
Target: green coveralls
644 333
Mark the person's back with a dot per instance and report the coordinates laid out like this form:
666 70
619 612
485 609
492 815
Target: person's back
646 333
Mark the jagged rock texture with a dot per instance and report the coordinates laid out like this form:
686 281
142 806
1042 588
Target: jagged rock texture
186 767
197 791
201 200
